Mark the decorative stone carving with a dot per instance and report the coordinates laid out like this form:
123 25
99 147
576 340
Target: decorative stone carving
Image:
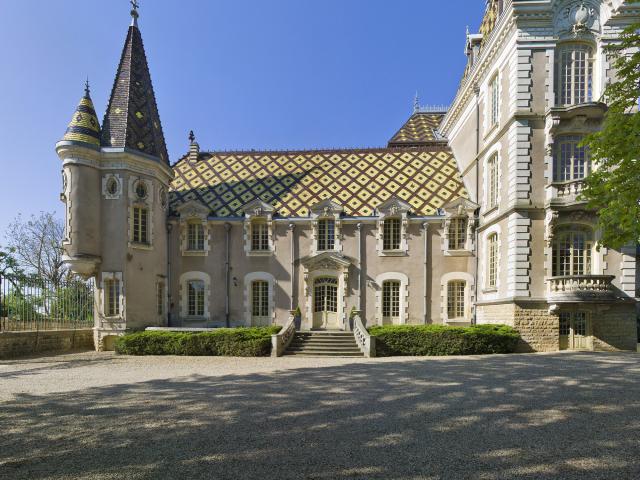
576 18
550 223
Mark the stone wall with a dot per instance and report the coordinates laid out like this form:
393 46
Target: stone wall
614 327
19 344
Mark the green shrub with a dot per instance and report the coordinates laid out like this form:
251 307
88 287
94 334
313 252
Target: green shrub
237 342
420 340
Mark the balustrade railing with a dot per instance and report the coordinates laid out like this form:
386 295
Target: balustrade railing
581 286
281 340
569 189
365 341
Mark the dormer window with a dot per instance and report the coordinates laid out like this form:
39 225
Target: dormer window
391 234
392 227
574 74
458 233
259 236
258 228
326 234
195 235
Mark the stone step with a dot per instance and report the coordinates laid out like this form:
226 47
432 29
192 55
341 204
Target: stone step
328 343
324 348
323 354
324 340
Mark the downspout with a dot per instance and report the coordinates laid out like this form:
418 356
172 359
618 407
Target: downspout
168 283
477 216
227 269
425 272
293 271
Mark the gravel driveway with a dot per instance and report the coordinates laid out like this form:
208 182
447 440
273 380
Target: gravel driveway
535 416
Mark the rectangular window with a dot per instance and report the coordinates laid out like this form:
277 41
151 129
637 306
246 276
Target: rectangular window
458 233
391 234
492 182
195 300
455 299
260 299
492 246
565 323
494 92
140 225
112 297
571 161
195 236
391 299
259 236
572 254
574 75
160 298
326 234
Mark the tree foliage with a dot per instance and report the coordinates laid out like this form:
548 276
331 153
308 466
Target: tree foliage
613 188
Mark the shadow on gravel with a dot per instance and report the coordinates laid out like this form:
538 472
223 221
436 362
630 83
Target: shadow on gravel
500 417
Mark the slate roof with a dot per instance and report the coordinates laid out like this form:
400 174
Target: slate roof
420 129
132 120
292 181
84 126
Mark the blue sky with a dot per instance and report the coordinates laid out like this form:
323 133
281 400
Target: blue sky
241 73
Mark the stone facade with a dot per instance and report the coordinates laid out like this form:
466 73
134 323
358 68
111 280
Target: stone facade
460 219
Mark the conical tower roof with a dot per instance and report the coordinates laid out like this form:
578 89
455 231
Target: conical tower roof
84 126
132 120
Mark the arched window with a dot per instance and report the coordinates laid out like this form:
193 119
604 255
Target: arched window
195 235
326 234
572 252
455 299
492 260
571 161
390 302
391 231
458 233
574 74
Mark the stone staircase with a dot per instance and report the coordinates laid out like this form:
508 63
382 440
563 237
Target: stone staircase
324 344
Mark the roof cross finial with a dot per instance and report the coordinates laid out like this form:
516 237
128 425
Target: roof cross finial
86 87
416 103
134 12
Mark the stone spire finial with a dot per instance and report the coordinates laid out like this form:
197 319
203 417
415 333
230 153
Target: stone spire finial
194 148
416 103
192 137
87 91
134 12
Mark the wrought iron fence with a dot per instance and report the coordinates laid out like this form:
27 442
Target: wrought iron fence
28 303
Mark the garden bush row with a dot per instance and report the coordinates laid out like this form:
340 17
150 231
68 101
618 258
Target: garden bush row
237 342
420 340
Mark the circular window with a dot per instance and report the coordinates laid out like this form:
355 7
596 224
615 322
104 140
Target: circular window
112 186
141 190
163 198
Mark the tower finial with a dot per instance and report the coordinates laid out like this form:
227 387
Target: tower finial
192 137
416 103
86 88
134 12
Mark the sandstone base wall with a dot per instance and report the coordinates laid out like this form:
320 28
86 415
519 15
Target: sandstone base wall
20 344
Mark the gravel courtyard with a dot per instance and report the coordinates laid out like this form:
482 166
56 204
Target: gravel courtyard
535 416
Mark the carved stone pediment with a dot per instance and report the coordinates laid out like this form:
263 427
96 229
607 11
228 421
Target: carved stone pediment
460 207
193 209
394 206
326 208
326 261
257 208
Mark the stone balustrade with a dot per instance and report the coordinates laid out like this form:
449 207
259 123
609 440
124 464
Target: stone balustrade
281 340
569 189
581 287
366 342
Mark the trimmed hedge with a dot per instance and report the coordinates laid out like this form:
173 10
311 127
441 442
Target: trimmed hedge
420 340
229 342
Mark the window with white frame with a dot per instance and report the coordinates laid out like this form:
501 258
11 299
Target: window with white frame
390 301
259 300
456 299
112 297
492 182
195 298
574 74
391 233
195 235
494 98
259 236
326 234
140 225
458 233
492 260
572 252
571 161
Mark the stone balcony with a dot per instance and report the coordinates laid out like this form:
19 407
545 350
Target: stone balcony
571 288
566 192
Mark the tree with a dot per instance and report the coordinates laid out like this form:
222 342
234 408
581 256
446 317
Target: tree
613 188
37 246
8 264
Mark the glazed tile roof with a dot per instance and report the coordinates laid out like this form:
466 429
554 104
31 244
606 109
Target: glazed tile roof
292 181
84 126
132 120
421 128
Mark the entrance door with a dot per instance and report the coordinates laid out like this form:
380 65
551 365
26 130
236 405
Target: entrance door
325 303
574 331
